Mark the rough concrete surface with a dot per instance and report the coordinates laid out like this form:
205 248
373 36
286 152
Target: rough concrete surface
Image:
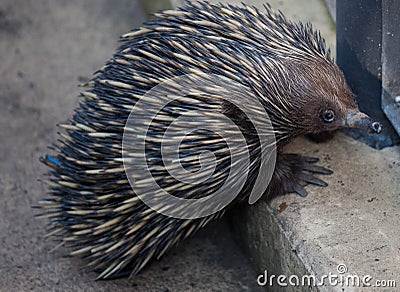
47 48
354 221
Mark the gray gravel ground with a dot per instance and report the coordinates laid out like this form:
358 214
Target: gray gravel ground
47 48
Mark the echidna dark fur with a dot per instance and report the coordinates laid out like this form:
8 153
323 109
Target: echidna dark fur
92 207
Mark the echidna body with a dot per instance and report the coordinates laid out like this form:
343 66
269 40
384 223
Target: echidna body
93 208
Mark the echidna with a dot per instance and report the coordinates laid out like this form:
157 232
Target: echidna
286 67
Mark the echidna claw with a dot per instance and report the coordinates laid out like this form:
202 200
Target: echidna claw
309 159
312 180
317 169
300 190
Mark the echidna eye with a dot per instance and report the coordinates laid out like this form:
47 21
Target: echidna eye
328 116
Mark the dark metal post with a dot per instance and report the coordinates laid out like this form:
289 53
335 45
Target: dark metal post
391 61
359 54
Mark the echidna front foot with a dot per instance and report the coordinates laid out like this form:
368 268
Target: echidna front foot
293 172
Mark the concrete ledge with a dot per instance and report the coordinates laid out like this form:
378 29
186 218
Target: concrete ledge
354 221
270 248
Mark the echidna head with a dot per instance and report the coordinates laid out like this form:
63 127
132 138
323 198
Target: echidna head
321 99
